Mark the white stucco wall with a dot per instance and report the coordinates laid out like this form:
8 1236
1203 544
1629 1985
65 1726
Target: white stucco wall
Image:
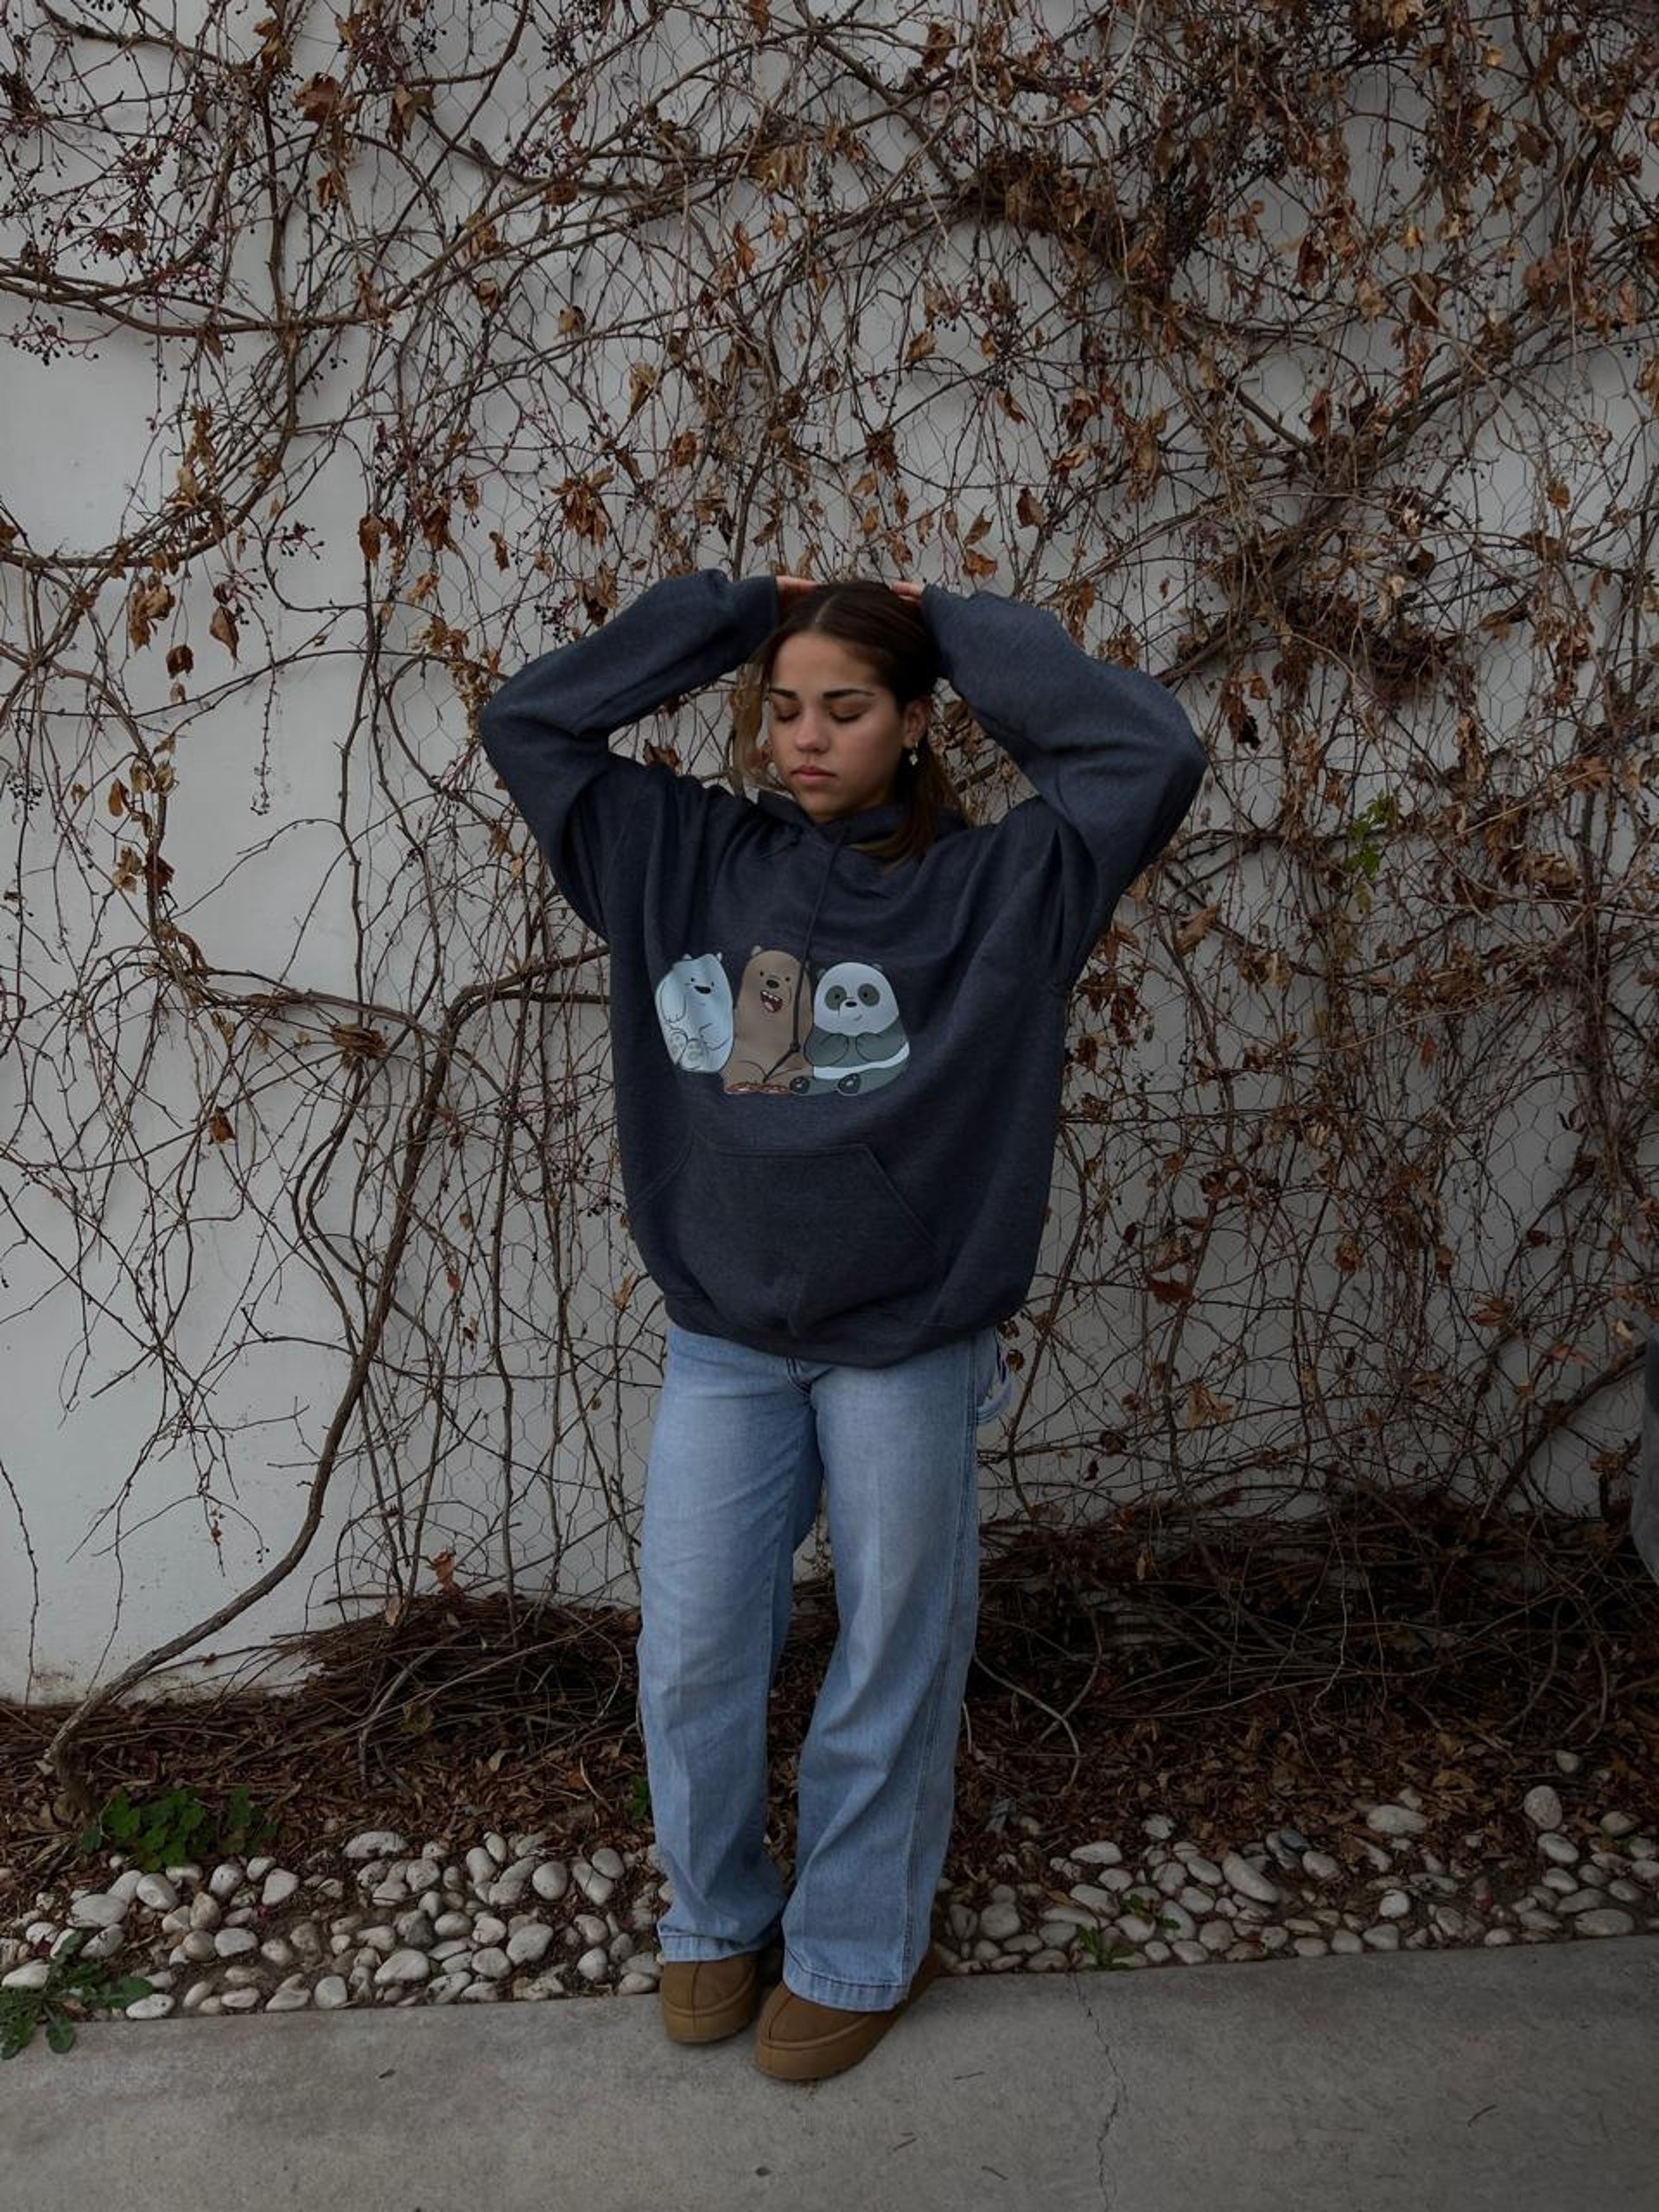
123 1519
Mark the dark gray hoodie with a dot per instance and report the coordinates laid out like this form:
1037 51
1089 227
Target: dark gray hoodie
837 1087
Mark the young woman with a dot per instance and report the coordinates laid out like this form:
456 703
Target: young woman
838 1020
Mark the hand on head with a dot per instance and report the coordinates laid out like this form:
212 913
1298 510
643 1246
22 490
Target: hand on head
790 587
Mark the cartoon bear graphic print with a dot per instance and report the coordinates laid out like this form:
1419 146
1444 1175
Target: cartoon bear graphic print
857 1041
783 1033
765 1037
693 1009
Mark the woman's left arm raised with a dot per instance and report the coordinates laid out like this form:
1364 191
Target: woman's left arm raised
1110 751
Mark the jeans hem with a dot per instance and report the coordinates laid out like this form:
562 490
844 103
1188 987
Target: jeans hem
688 1951
852 1996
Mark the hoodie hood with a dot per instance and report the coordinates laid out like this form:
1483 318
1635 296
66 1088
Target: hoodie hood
868 823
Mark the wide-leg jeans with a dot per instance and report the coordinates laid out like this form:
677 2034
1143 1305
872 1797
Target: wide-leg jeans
743 1444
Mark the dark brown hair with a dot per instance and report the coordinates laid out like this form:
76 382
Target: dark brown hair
892 636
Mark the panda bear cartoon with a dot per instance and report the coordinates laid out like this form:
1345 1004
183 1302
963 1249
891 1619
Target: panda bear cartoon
857 1040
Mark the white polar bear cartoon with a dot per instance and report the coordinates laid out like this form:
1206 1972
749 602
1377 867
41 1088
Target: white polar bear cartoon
694 1010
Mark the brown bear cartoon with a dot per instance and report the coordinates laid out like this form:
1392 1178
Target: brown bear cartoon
773 1013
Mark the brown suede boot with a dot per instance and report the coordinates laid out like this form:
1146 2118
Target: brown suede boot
703 1999
799 2040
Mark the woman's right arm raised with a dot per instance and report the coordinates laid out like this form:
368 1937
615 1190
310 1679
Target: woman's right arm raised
545 730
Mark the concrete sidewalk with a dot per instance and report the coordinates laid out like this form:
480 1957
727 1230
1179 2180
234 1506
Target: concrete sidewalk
1525 2078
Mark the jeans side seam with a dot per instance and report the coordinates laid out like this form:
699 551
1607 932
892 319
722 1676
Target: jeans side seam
967 1488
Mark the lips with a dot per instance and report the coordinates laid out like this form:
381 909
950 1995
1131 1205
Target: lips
811 776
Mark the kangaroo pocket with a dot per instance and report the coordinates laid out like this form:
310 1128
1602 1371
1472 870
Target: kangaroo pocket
781 1241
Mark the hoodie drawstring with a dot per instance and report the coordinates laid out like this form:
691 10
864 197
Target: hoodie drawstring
837 838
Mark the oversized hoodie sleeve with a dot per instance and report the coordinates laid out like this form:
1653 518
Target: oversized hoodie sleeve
544 729
1110 751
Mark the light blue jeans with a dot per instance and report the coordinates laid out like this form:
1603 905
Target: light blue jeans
744 1442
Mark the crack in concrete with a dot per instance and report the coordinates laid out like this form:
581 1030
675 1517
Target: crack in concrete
1116 2105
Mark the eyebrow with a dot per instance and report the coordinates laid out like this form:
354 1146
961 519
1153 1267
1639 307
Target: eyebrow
846 691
